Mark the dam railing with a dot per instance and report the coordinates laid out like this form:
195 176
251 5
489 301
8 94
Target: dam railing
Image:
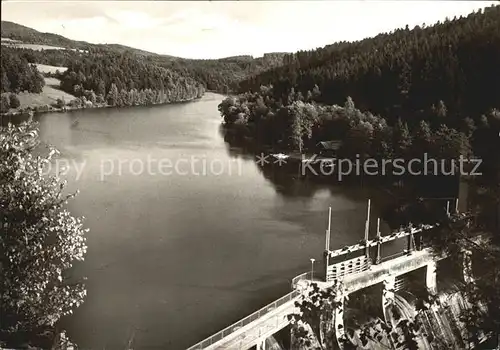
245 321
340 270
306 276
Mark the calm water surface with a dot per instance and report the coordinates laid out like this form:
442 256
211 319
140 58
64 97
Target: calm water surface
175 258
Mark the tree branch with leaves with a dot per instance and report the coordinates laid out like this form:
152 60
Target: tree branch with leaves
40 240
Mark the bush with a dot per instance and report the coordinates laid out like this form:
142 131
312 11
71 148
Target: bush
60 103
77 102
100 99
14 101
43 108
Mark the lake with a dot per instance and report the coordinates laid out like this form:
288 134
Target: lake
187 234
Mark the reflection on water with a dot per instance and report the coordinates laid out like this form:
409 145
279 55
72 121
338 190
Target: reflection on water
175 258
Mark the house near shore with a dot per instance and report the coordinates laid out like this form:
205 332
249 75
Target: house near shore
328 148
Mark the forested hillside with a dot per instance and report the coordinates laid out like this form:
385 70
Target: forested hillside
223 75
18 75
124 80
402 94
404 73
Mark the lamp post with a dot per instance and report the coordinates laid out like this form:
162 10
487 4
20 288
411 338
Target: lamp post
312 269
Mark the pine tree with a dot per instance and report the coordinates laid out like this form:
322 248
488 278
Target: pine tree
440 110
349 104
5 83
101 88
469 126
422 140
402 140
113 95
296 130
316 94
4 103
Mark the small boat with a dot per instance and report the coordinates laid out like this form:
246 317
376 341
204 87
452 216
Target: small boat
280 156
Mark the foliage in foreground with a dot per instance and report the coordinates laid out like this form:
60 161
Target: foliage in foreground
40 241
483 290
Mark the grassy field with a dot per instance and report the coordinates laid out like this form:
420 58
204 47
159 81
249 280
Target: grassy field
35 47
49 95
43 68
10 41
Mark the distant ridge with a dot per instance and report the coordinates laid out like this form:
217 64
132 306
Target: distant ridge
28 35
216 74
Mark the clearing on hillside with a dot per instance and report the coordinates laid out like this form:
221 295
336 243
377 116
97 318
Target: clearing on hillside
44 68
35 47
48 96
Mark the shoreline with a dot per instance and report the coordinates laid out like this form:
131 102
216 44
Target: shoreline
32 111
